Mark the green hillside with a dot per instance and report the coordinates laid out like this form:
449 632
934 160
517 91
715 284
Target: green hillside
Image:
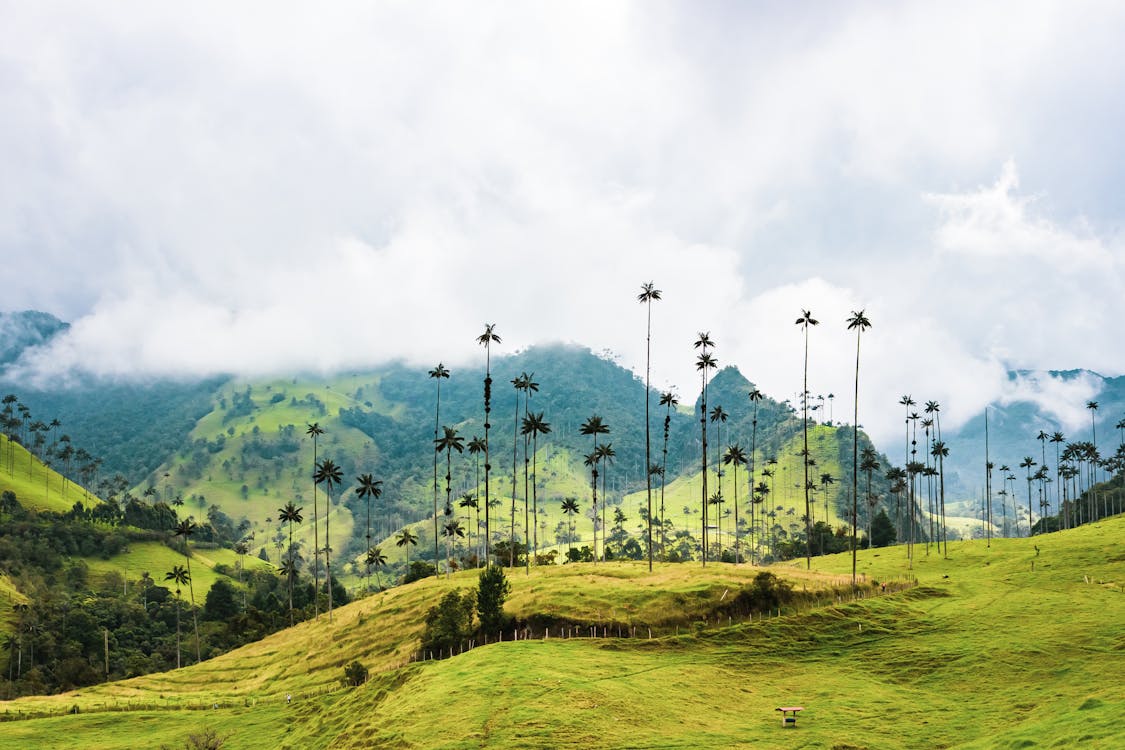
1006 646
36 485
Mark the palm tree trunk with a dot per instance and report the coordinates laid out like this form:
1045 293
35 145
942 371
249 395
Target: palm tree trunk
316 545
328 548
437 418
648 440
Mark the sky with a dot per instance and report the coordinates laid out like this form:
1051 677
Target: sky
265 188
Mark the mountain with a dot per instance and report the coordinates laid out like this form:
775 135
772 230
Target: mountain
20 331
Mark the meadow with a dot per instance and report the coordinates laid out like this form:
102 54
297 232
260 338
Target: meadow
1017 644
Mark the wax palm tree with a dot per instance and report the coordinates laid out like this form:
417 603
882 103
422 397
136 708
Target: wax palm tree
529 530
649 294
1027 463
533 426
178 576
704 363
868 464
452 531
570 508
290 514
859 323
605 455
476 448
594 426
805 321
314 431
376 559
185 529
486 340
369 488
406 538
468 501
328 474
939 452
449 441
439 373
669 400
735 456
1058 439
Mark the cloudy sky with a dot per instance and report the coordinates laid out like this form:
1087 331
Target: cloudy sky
263 187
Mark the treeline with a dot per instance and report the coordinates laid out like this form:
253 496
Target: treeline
74 620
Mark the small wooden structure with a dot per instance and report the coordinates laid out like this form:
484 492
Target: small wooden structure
789 715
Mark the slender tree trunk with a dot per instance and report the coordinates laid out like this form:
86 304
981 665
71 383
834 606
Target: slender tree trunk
805 432
437 419
316 544
648 441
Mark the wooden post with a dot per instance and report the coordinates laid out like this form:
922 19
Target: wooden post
105 636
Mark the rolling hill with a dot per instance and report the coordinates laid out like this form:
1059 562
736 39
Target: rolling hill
1016 645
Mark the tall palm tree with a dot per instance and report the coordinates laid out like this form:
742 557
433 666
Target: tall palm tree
940 451
376 559
859 323
185 529
290 514
406 538
1027 463
328 474
476 447
805 321
486 340
669 400
468 501
178 576
449 441
1058 439
369 488
314 431
1093 407
533 426
439 373
704 362
594 426
605 455
735 456
530 387
521 383
649 294
452 531
570 508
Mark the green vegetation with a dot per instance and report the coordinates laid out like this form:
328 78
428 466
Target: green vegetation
953 662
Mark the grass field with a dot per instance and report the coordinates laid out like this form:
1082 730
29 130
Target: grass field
36 486
1006 646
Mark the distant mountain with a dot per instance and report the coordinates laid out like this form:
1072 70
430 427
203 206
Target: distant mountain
1036 401
20 331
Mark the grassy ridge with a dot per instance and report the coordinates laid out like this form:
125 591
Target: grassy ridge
37 486
986 653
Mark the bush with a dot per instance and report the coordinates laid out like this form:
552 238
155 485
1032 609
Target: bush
355 674
419 570
449 623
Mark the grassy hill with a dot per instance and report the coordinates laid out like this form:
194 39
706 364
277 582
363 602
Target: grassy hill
1016 645
36 485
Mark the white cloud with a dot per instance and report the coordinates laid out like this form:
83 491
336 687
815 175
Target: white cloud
268 187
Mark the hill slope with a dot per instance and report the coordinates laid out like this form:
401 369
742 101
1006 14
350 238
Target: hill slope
999 647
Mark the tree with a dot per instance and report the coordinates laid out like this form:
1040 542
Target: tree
476 447
826 479
452 531
449 623
438 373
185 529
370 489
468 501
314 431
290 514
178 576
1027 463
868 464
376 559
594 426
492 591
703 363
882 530
940 451
406 538
667 399
805 321
520 383
570 508
736 457
328 474
534 425
859 323
449 441
649 294
486 340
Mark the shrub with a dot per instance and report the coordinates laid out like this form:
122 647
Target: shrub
492 592
355 674
449 623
